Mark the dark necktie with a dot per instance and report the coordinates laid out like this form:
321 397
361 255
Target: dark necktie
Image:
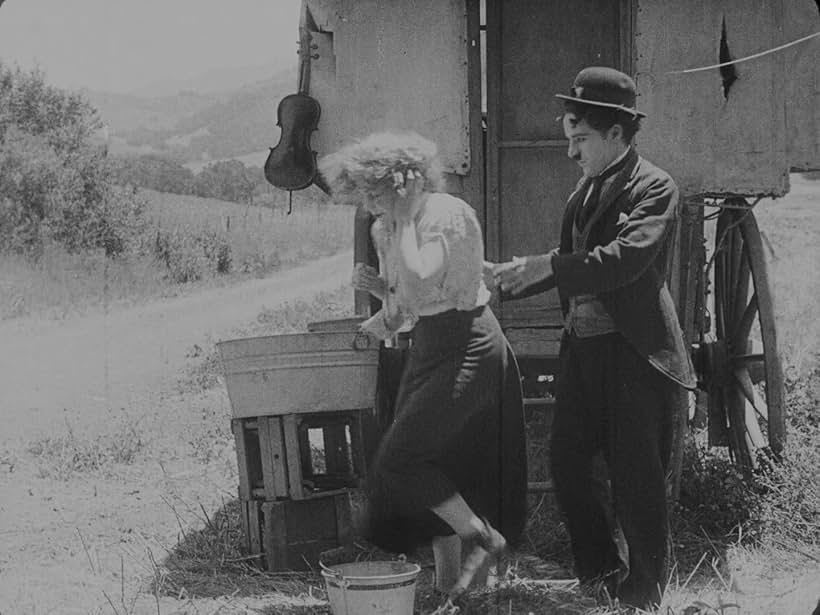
589 206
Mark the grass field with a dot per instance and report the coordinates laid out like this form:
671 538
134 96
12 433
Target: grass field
258 240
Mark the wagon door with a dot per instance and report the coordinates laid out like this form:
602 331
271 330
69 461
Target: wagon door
534 50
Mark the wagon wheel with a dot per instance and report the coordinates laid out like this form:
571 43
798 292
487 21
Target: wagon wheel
744 374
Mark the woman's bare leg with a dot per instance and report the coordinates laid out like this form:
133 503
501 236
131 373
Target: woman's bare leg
458 515
482 573
483 541
447 556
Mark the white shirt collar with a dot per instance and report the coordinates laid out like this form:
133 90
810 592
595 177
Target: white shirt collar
616 161
609 166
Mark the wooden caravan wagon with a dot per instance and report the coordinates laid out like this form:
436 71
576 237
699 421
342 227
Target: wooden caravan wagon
732 93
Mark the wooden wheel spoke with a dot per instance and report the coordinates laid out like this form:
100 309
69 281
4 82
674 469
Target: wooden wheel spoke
753 359
749 358
733 255
722 276
744 324
740 290
718 300
753 432
753 398
742 436
720 315
746 343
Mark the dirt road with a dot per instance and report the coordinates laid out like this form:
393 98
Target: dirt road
77 371
68 545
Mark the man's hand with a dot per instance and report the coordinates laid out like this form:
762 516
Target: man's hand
488 275
515 276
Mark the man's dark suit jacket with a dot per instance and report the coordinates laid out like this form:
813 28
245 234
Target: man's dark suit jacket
626 242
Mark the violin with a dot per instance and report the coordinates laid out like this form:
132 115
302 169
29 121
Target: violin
291 165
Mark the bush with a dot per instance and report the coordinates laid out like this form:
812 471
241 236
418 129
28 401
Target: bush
780 502
716 497
54 184
66 120
229 180
92 213
29 179
791 506
191 257
155 172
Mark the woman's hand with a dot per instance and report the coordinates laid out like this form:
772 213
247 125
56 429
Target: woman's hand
368 279
383 325
409 189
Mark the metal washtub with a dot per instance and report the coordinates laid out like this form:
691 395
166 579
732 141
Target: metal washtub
300 372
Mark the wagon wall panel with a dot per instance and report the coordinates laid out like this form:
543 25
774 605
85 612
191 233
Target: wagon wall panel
803 85
713 138
392 65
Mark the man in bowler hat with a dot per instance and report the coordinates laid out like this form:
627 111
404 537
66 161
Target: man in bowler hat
622 353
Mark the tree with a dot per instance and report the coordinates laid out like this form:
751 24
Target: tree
155 172
229 180
66 120
54 184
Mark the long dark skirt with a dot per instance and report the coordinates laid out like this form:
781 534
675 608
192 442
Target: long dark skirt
458 428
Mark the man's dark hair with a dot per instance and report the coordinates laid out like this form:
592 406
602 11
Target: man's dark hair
604 118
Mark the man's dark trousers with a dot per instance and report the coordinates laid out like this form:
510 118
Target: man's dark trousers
611 401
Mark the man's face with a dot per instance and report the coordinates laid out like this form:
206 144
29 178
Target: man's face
592 150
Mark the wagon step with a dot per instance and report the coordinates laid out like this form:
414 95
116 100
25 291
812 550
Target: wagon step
547 403
545 486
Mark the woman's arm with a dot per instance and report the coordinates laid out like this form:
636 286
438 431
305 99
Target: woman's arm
417 264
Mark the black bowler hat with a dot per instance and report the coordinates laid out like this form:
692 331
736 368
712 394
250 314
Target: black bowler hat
604 87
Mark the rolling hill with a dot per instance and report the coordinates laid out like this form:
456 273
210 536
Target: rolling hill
194 126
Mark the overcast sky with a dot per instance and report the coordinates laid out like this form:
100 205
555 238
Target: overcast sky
126 45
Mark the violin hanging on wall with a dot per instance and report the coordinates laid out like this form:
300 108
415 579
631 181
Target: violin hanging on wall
291 165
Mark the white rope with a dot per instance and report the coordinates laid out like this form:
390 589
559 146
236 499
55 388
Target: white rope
751 57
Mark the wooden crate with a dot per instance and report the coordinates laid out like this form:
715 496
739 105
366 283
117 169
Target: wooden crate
291 534
299 456
261 458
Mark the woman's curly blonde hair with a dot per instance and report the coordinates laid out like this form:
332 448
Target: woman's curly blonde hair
363 170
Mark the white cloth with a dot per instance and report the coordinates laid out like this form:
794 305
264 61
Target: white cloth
460 284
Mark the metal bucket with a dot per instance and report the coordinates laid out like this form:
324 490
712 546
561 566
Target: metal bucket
371 588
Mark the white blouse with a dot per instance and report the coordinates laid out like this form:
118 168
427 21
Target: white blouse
459 285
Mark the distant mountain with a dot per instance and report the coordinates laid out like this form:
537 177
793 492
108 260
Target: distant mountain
216 80
242 123
125 112
194 126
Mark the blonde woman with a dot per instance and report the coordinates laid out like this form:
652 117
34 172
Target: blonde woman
451 469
